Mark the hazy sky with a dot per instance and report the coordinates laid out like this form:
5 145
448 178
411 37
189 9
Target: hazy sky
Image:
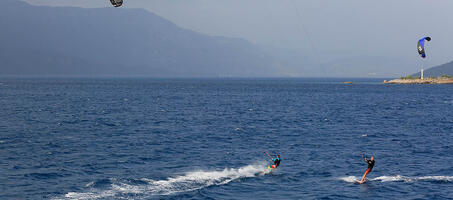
324 29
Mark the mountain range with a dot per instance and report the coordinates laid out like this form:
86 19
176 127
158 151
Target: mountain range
444 69
70 41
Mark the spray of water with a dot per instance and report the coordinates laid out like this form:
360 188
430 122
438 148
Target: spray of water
188 182
399 178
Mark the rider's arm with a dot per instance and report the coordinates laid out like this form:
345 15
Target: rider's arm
364 158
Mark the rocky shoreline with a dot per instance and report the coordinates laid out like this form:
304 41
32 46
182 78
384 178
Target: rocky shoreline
421 81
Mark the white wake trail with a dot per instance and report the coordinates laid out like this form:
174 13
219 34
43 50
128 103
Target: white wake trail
412 179
399 178
201 179
184 183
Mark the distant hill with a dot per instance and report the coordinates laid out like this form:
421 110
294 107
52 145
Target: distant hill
445 69
68 41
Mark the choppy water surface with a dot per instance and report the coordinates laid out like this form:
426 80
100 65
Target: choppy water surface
205 139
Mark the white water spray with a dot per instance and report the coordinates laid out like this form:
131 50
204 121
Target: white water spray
399 178
185 183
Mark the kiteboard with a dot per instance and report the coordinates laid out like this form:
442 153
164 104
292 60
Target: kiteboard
359 182
268 170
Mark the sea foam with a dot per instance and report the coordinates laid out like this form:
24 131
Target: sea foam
399 178
188 182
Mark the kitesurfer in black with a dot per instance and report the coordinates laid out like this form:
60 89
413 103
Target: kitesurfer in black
276 162
370 167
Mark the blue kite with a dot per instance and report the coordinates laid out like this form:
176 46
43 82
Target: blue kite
421 46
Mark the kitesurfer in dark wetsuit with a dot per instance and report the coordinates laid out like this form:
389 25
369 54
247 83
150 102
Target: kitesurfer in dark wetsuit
370 167
276 162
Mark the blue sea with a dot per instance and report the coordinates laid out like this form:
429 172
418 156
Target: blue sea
207 138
